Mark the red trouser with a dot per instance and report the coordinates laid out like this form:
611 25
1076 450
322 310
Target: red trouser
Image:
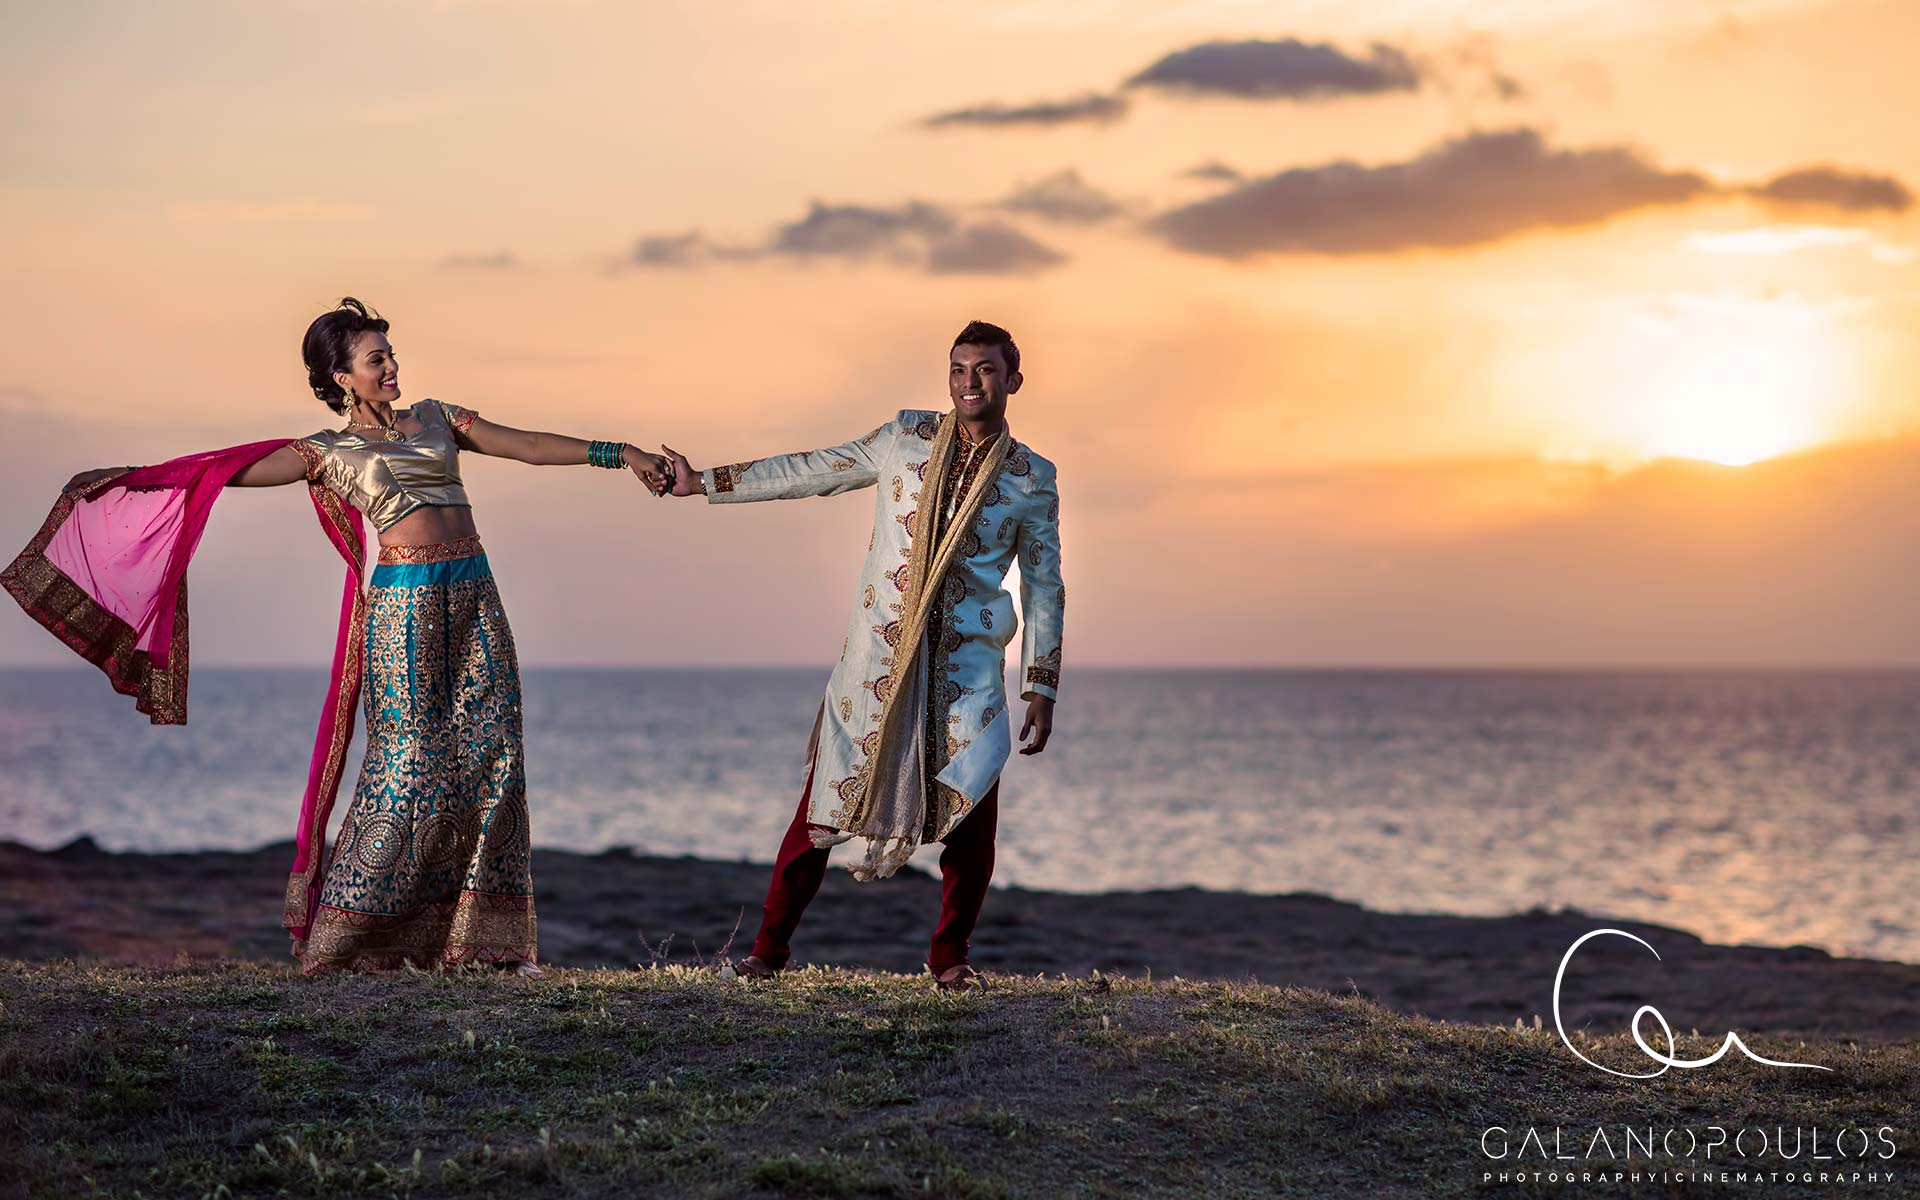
966 864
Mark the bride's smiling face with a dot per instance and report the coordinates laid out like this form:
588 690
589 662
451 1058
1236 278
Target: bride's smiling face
375 371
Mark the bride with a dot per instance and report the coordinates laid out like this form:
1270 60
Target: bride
432 867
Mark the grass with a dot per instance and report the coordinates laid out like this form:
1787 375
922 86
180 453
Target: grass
243 1079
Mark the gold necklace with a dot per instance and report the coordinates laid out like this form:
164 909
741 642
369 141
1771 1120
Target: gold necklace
390 432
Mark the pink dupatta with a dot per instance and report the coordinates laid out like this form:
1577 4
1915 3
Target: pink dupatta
107 575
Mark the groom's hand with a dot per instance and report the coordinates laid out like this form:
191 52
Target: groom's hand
686 479
1040 722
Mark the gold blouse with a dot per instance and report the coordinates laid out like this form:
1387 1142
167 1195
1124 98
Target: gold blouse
387 480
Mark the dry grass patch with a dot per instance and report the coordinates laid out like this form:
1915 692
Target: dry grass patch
240 1079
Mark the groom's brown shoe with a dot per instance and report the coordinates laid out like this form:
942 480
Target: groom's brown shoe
962 978
755 967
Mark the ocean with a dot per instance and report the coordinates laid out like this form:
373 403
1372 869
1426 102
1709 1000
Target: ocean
1774 807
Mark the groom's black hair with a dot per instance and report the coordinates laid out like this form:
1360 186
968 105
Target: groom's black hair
983 333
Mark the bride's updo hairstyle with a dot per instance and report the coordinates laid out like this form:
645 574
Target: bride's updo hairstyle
328 347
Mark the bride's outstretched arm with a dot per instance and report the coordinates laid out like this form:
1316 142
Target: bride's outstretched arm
556 450
283 466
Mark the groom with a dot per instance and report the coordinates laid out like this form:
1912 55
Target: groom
914 731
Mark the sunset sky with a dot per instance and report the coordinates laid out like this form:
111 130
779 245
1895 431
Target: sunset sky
1418 332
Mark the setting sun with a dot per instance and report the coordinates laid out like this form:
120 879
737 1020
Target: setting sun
1732 376
1738 379
1734 406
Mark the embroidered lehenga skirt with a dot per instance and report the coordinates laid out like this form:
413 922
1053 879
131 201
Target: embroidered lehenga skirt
432 866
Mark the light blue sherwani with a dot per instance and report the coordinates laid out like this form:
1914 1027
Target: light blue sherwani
968 730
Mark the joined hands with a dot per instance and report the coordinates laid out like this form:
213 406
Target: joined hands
685 476
652 470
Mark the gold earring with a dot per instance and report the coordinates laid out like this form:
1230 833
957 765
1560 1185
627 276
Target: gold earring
349 399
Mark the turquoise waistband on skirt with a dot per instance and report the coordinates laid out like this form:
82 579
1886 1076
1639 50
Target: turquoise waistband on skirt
457 570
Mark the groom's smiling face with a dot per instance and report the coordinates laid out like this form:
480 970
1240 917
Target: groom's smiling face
979 383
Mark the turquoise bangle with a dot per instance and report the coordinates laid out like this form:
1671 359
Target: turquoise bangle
606 454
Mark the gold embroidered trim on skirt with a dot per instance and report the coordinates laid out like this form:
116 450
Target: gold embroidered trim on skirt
465 547
475 927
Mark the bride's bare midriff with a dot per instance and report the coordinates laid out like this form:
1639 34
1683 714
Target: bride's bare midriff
427 526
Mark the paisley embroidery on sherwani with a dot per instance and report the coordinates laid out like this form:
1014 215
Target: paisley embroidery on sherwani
943 693
724 478
850 788
1045 670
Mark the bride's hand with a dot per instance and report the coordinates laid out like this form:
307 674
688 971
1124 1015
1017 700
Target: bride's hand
652 470
86 479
